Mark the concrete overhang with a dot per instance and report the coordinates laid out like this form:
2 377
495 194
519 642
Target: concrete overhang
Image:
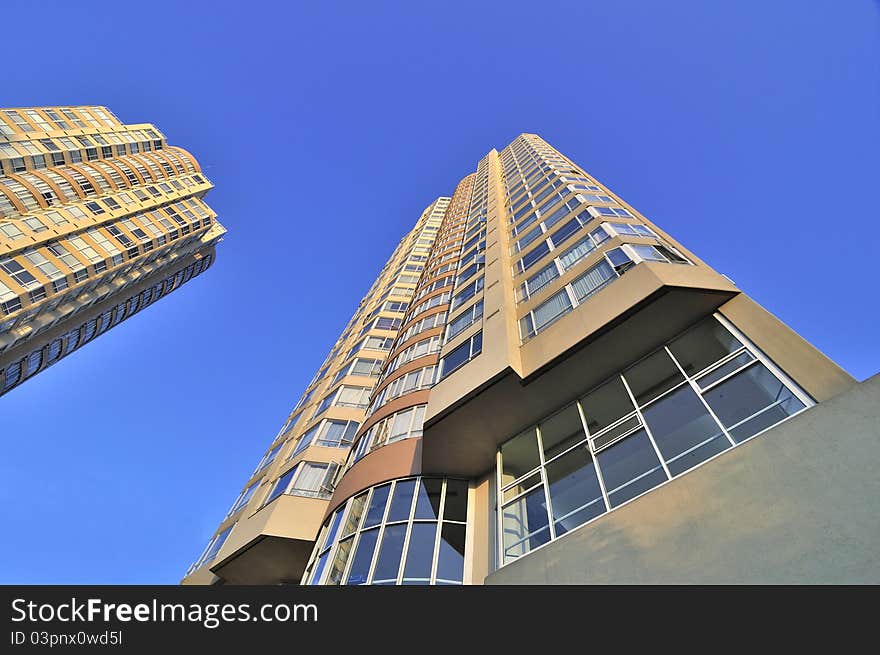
273 545
634 315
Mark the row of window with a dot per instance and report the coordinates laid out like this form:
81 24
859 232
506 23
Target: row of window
702 393
20 156
82 296
157 222
461 354
417 380
405 424
45 356
79 182
421 348
37 119
410 531
614 262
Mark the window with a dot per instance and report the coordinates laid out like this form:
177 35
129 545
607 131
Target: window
329 433
419 349
213 548
408 531
372 343
545 313
643 426
539 280
466 294
418 379
268 458
464 320
18 273
345 396
309 479
361 367
95 208
462 354
565 300
532 257
405 424
243 498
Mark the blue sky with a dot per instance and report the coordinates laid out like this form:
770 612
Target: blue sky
748 130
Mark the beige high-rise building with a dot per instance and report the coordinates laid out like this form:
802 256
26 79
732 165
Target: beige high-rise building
97 221
542 385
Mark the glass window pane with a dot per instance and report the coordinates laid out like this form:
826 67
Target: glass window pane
561 431
428 500
334 528
402 501
360 565
354 514
522 485
606 404
280 486
683 430
319 568
340 558
455 505
525 524
703 345
519 456
652 376
575 495
630 467
751 401
593 280
450 558
551 309
420 554
377 506
388 563
725 369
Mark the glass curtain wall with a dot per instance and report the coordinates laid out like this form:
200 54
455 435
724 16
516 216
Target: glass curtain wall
699 395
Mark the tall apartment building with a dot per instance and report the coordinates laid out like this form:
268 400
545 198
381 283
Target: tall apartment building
541 386
97 221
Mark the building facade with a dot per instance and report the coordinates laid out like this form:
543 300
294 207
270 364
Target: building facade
97 221
536 359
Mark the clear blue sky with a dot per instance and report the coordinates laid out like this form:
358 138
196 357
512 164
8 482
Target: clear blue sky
748 130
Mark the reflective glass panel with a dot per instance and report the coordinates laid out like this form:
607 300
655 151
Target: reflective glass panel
420 553
519 456
606 404
455 505
377 506
389 553
683 430
703 345
450 559
751 401
525 524
561 431
652 376
360 565
575 495
402 501
630 467
428 499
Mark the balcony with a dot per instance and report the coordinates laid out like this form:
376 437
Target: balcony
273 545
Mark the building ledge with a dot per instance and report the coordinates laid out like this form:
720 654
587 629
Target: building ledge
272 545
626 320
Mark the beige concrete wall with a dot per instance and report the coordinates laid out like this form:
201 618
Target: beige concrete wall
811 369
